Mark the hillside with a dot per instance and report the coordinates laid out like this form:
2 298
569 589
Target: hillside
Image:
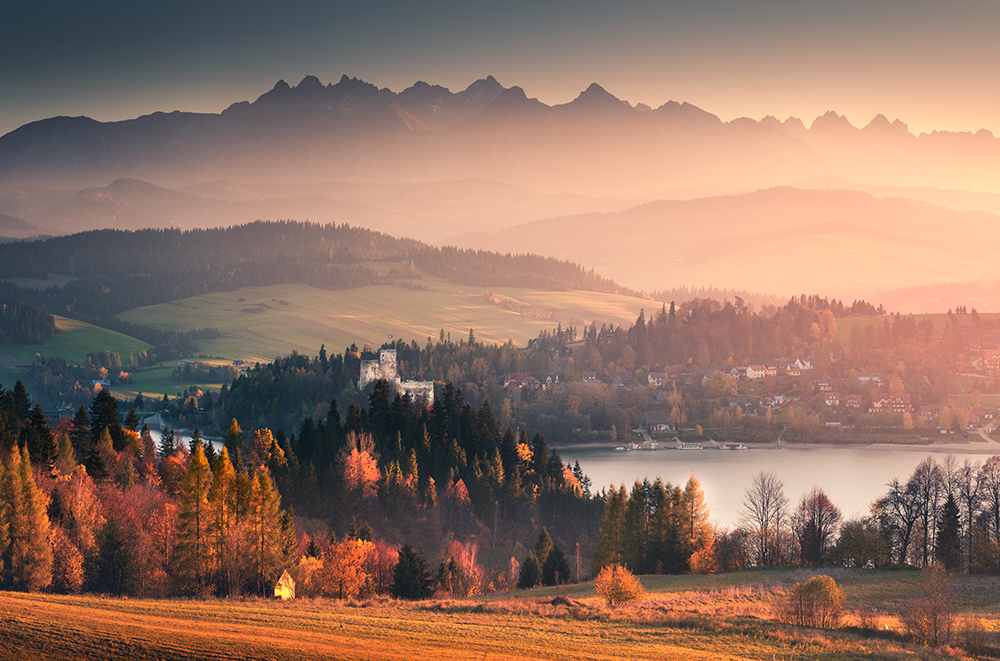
260 323
423 211
784 241
112 271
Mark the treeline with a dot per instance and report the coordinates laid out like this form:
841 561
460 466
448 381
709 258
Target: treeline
24 323
118 270
944 513
130 517
204 373
704 332
658 528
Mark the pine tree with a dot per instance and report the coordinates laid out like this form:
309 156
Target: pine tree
132 420
193 554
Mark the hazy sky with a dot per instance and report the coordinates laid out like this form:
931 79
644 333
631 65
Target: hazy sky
929 63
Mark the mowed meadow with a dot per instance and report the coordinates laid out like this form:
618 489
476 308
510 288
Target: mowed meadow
727 616
259 323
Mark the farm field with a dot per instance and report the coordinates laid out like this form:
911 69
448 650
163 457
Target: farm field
262 323
690 617
72 341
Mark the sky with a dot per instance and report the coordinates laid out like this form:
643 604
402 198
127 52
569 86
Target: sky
931 64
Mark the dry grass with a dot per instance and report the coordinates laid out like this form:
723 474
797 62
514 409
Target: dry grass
684 617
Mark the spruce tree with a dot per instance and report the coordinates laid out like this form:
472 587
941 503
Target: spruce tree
543 546
232 439
79 432
555 569
531 573
166 441
610 542
948 550
411 579
104 415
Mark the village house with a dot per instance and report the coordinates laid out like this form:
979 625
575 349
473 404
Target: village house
853 401
285 587
825 386
772 401
755 372
991 361
519 381
897 402
832 399
657 379
590 377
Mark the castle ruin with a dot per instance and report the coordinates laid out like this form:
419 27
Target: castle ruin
385 368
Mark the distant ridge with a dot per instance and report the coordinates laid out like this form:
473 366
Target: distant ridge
353 130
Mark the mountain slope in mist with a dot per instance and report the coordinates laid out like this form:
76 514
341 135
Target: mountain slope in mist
787 241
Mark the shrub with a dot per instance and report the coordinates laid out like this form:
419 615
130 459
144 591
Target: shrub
930 616
818 602
617 585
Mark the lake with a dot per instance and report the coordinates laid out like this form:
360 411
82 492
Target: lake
852 477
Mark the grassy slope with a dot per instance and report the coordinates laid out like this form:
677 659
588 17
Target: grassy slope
72 341
299 317
689 617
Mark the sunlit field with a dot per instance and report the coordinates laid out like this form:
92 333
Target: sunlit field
261 323
727 616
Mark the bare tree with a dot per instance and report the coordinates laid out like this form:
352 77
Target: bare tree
928 482
901 508
989 478
969 485
815 523
764 509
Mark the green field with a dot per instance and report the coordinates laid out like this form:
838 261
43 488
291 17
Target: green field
261 323
72 341
727 616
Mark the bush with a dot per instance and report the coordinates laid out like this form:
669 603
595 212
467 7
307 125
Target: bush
818 602
930 616
617 585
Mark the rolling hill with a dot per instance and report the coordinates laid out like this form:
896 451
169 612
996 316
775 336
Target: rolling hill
788 241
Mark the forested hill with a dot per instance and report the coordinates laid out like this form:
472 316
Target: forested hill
118 270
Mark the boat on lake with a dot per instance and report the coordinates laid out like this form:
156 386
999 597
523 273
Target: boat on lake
732 446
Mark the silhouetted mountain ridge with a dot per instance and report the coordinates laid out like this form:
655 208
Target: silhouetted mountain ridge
353 130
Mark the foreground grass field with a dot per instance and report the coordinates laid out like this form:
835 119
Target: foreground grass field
261 323
685 617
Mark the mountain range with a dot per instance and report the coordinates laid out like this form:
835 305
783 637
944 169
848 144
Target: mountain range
596 144
655 198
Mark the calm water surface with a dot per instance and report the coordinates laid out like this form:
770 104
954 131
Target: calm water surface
851 477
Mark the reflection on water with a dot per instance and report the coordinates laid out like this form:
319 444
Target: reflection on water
851 477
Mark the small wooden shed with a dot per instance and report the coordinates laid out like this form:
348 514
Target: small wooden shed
285 588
